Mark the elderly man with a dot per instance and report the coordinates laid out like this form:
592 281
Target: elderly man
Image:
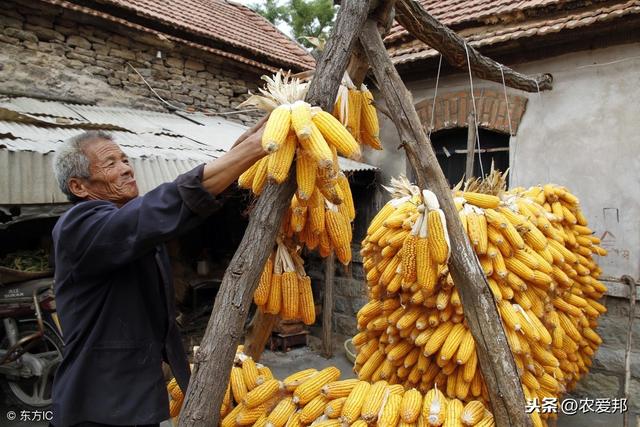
113 282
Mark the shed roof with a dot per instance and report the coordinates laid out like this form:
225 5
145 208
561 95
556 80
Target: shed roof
483 23
247 34
160 145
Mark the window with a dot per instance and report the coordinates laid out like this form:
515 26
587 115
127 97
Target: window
450 146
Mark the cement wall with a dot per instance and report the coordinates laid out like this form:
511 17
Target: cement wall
585 135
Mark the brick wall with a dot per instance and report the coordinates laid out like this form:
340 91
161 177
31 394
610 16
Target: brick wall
452 110
59 54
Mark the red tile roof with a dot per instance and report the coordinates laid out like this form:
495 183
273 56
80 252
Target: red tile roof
486 23
224 22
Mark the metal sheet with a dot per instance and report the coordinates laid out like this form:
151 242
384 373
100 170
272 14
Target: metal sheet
349 165
40 108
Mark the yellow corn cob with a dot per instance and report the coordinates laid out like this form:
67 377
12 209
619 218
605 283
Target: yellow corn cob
246 179
353 404
373 402
305 174
454 413
279 163
369 122
294 380
313 409
472 413
466 348
262 393
452 341
318 149
355 109
312 386
230 419
390 411
248 416
277 128
487 421
438 245
261 294
260 178
485 201
290 295
411 406
343 182
281 413
250 373
434 407
238 387
306 305
334 407
437 339
174 408
274 303
338 389
337 135
337 228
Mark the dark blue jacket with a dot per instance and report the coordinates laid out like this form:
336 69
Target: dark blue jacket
115 300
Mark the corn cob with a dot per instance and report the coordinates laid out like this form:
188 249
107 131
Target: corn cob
277 128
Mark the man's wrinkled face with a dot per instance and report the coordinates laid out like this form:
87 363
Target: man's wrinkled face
111 175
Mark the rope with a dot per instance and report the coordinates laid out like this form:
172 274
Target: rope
475 112
435 96
511 134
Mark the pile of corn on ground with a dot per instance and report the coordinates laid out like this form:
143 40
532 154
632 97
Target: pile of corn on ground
319 398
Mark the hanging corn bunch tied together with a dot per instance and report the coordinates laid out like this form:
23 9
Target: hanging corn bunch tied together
322 209
320 398
355 109
537 253
284 288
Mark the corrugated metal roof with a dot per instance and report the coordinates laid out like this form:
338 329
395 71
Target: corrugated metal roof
160 145
349 165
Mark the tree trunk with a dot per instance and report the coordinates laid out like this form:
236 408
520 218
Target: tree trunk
214 358
412 16
258 333
327 306
496 360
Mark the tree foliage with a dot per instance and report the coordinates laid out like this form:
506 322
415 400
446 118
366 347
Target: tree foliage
307 18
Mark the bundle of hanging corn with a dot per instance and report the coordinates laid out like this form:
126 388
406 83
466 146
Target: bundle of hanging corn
285 288
537 253
319 398
322 209
355 109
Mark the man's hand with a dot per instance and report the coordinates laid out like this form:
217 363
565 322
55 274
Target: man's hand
221 172
252 130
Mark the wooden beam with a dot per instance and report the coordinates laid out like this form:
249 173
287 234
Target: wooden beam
327 306
214 358
471 144
420 24
496 361
258 333
631 283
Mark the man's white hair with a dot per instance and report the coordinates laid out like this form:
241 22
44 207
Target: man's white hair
70 161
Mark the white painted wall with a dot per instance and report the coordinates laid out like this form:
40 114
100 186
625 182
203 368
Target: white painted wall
584 134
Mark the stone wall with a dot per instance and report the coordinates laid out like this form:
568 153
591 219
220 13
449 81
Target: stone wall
606 378
49 52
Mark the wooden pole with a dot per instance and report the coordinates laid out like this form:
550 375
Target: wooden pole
214 358
258 333
471 143
412 16
631 283
327 306
496 361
